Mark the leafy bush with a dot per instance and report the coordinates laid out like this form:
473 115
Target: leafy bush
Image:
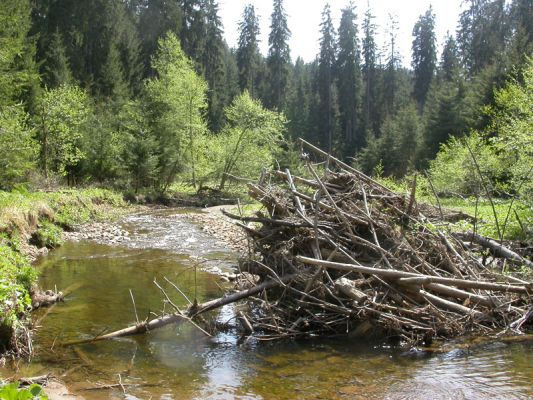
503 151
453 171
16 277
12 391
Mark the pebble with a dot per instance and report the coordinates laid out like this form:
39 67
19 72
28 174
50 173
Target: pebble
101 232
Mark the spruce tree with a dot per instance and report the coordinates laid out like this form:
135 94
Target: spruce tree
279 58
349 81
326 80
156 17
298 106
449 63
213 65
56 65
390 79
424 55
370 115
248 50
17 147
521 26
482 34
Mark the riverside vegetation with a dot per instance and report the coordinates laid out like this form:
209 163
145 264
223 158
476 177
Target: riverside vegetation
32 221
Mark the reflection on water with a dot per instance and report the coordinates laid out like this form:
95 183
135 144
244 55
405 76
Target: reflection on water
179 362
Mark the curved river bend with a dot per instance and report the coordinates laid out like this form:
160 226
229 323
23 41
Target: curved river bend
179 362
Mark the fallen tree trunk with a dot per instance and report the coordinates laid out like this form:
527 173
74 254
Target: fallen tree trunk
418 278
497 248
193 311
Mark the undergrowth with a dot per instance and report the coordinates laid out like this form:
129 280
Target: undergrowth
512 218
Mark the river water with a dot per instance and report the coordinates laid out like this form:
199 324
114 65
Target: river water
180 362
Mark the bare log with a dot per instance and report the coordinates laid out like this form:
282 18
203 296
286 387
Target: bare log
191 312
497 248
423 279
450 305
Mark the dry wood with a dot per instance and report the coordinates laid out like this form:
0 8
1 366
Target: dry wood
418 278
193 311
412 281
497 248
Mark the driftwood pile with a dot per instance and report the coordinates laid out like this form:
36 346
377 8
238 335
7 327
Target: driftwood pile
352 257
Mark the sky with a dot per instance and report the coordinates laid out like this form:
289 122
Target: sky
304 17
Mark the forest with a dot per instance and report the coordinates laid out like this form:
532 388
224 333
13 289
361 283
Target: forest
145 93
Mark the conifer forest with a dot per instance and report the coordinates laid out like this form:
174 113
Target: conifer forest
145 93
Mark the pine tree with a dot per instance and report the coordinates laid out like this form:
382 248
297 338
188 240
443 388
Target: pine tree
326 80
349 81
279 58
424 55
248 51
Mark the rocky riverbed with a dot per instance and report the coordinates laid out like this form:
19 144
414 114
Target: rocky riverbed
100 232
213 222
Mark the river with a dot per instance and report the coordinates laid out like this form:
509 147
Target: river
180 362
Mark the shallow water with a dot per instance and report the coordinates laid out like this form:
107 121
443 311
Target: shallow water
179 362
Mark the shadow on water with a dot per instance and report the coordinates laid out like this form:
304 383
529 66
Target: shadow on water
179 362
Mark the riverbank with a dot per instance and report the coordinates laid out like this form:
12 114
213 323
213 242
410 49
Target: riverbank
31 223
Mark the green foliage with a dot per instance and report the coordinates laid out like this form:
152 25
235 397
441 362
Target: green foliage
175 102
16 277
250 140
503 152
453 171
512 121
61 118
12 391
17 147
48 235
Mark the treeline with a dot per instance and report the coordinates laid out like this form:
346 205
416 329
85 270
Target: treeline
141 92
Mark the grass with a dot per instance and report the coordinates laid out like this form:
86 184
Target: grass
514 218
40 217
